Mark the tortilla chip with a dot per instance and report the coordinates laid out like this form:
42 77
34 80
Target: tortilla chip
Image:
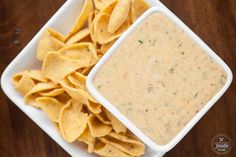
119 15
31 96
24 84
109 7
56 34
78 80
105 47
48 43
100 29
72 121
85 71
76 93
138 8
116 124
52 93
78 36
83 51
91 22
37 75
130 146
103 118
107 150
56 67
99 4
91 17
98 129
16 78
63 98
51 106
82 18
94 107
87 138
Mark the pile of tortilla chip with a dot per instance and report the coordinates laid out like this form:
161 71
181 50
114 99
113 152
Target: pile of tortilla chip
59 87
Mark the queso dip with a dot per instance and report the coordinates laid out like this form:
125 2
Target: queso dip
159 78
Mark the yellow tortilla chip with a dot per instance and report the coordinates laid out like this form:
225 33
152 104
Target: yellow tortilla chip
100 29
24 84
48 43
76 93
99 4
52 93
63 98
51 106
99 53
130 146
116 124
105 47
98 129
103 118
37 75
85 71
92 34
16 78
83 51
56 67
119 15
78 36
107 150
56 34
82 96
72 121
87 138
94 107
82 18
91 17
77 79
31 96
138 8
109 7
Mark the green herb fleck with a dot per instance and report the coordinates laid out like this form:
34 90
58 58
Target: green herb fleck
140 42
175 93
195 95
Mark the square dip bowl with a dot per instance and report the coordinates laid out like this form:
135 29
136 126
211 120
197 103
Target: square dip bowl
159 150
62 21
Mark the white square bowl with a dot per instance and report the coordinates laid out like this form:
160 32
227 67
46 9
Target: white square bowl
159 149
62 21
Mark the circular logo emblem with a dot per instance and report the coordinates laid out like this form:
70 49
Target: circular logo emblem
221 144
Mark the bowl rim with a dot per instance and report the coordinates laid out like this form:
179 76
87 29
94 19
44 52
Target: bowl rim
126 121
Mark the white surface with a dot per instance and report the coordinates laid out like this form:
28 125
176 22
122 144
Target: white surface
122 118
62 21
